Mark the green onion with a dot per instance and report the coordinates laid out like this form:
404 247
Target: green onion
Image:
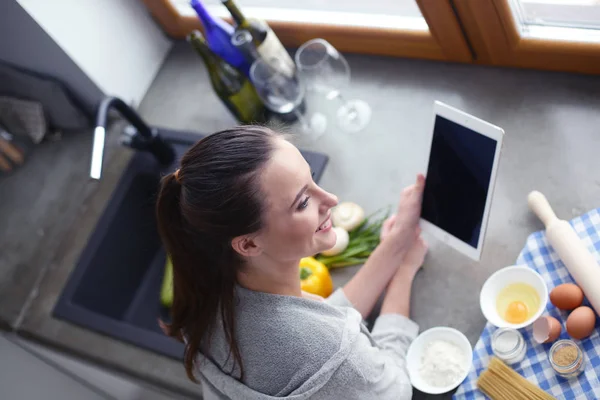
363 240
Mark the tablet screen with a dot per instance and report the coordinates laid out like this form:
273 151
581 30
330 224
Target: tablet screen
458 180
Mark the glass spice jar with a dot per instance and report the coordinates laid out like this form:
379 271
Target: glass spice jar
566 358
508 345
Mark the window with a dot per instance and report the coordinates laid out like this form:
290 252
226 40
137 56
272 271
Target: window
406 28
562 35
554 35
567 20
392 14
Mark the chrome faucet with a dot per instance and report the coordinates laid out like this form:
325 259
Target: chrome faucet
139 136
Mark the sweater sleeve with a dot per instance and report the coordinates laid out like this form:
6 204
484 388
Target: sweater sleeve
338 298
394 333
382 366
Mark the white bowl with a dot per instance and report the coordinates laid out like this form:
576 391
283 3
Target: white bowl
415 355
502 278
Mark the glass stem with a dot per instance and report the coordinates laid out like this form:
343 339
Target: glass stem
352 112
302 119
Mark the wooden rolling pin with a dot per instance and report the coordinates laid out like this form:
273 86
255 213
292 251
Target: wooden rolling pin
579 261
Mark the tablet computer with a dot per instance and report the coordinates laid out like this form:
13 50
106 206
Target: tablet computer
459 184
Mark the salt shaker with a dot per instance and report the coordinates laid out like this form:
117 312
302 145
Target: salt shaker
508 345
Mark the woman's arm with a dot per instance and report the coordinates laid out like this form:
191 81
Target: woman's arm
366 286
380 369
397 297
379 372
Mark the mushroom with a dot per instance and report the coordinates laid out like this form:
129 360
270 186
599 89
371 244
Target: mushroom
347 215
341 242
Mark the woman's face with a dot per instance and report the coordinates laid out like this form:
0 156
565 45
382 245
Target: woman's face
297 219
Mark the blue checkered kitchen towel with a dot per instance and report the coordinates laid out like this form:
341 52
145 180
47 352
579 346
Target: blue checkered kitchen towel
540 256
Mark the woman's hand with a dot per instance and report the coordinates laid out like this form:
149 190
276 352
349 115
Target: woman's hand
387 227
403 226
397 234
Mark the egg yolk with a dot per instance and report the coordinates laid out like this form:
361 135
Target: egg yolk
516 312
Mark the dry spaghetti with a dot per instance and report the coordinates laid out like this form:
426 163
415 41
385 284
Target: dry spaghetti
500 382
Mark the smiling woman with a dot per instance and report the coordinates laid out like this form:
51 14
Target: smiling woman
238 219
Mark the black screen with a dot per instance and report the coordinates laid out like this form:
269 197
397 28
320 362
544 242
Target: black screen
458 178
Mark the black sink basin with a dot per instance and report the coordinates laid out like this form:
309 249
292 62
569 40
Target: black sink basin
114 289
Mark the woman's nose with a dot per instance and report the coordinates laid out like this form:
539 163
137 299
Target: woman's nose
329 200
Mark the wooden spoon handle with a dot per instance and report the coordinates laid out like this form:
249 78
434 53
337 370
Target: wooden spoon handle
11 151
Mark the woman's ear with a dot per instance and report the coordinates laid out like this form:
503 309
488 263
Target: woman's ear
246 246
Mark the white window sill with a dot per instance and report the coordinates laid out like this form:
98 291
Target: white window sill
561 33
337 18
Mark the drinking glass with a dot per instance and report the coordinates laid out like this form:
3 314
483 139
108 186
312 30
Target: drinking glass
282 93
326 70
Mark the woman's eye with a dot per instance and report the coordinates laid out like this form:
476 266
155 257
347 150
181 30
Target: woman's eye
304 203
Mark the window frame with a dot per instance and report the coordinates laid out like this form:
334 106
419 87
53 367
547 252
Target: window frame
444 41
483 32
495 38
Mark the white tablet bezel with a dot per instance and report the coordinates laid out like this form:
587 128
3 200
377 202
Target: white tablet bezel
485 129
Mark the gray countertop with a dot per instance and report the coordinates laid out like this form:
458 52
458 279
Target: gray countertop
35 214
551 143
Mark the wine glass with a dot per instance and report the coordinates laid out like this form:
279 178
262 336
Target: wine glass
282 93
326 70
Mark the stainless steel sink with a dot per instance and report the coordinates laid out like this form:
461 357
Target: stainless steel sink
114 289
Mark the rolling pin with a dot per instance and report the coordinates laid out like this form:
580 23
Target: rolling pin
579 261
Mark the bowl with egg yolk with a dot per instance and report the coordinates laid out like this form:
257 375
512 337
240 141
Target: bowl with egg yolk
513 297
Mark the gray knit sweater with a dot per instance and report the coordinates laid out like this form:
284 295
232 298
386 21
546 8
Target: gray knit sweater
298 348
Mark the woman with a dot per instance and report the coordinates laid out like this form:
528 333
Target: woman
236 218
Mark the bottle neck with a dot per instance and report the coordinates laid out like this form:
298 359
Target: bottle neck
242 39
235 12
223 74
202 48
202 12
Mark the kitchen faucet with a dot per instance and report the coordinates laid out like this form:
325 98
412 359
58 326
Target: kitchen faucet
137 136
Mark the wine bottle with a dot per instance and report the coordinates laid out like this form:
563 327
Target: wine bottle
242 40
233 88
267 44
218 35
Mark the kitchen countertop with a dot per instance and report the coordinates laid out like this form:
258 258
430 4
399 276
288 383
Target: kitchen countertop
551 144
38 204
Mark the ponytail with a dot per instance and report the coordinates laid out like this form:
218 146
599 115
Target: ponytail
191 296
200 209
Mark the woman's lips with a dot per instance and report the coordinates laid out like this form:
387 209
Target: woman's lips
325 226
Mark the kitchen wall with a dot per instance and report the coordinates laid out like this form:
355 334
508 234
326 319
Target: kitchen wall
24 44
95 47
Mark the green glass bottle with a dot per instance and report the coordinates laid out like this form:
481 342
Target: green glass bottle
258 29
233 88
266 41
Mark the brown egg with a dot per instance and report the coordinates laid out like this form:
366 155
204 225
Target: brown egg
580 323
566 296
546 329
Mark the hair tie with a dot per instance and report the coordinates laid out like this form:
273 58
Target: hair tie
176 174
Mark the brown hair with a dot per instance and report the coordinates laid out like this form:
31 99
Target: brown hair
213 198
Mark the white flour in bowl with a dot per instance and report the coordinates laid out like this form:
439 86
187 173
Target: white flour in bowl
443 363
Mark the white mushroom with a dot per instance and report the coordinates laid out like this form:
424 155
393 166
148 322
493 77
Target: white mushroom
341 242
347 215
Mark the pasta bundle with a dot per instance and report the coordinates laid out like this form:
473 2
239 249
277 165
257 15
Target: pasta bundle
500 382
